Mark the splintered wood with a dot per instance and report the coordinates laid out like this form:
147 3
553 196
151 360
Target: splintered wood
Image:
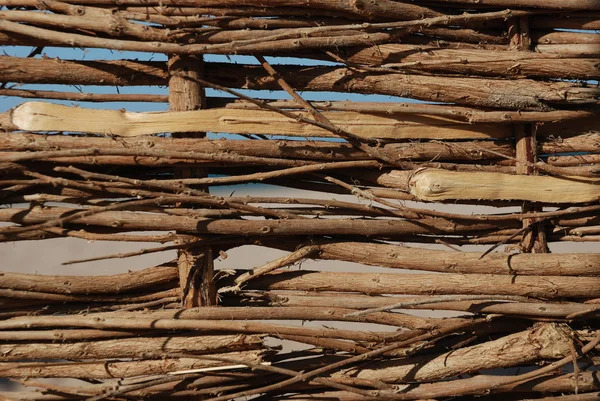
484 115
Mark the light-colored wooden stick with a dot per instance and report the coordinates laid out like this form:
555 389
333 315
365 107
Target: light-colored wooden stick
40 116
435 185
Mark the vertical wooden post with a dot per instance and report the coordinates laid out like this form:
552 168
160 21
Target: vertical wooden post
526 145
196 269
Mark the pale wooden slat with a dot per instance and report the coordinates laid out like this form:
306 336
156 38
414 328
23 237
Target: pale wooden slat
436 185
40 116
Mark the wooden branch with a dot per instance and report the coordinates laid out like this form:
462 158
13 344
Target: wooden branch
126 323
551 287
145 347
137 347
507 94
385 8
118 369
350 361
543 342
492 305
287 260
278 41
137 221
116 284
304 150
83 97
562 37
395 256
263 313
196 270
415 58
51 297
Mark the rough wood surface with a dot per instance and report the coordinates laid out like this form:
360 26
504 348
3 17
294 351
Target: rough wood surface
544 342
37 116
122 369
196 269
147 347
136 221
492 305
521 94
432 284
401 257
116 284
489 86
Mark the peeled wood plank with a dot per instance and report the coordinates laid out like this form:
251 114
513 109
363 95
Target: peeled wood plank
435 185
41 116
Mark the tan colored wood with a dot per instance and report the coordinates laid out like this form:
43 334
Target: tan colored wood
401 257
196 269
545 342
551 287
39 116
115 284
151 347
435 185
121 369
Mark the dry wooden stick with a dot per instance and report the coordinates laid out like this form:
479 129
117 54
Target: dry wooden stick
195 242
132 347
84 97
527 307
220 156
109 369
114 284
185 324
287 260
262 176
549 287
89 212
387 228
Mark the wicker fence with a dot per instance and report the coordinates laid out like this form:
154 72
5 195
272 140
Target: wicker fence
496 106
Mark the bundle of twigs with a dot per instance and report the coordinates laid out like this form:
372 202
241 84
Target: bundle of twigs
508 118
